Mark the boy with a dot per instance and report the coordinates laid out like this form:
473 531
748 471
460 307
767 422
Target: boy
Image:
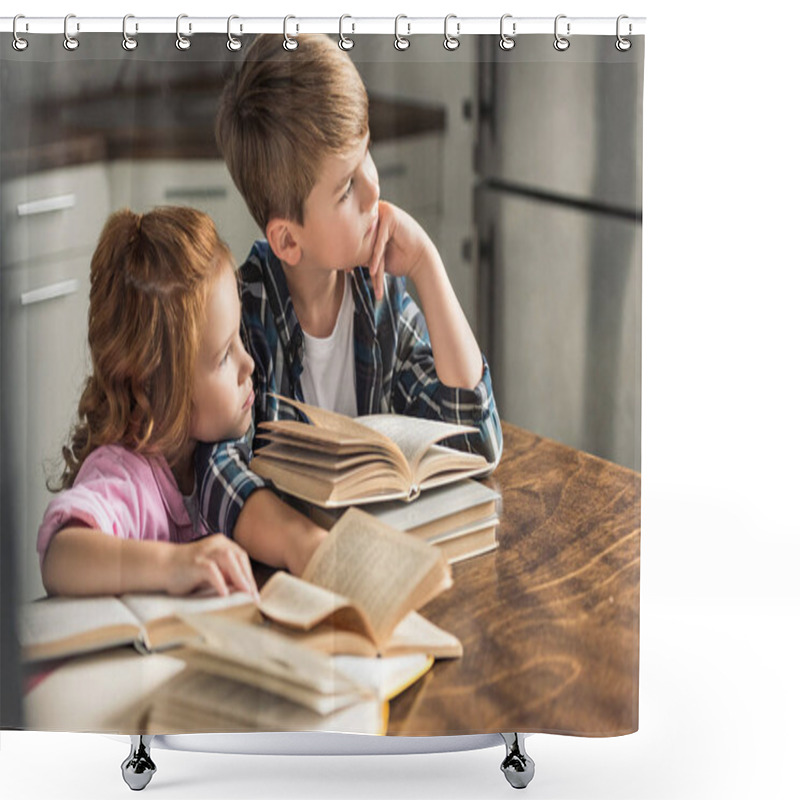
321 326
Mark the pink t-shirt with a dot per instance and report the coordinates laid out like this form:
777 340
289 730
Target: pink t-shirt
123 494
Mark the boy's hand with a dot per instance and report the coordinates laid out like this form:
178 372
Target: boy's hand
214 561
401 246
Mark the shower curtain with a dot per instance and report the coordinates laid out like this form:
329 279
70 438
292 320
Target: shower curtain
520 159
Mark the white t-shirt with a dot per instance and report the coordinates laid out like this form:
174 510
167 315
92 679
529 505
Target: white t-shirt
328 379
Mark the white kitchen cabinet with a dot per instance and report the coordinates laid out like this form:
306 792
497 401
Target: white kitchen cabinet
201 183
44 307
51 222
49 214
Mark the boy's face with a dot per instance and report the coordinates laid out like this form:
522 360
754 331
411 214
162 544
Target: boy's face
341 212
222 389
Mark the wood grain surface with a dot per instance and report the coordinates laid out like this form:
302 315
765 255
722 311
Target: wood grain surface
550 620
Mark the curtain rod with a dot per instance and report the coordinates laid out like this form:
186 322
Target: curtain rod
188 25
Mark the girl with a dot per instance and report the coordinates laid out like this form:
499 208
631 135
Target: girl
168 370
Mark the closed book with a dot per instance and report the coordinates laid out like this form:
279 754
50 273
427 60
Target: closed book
460 519
437 511
464 543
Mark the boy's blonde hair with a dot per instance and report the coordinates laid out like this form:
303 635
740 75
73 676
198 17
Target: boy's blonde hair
150 276
281 113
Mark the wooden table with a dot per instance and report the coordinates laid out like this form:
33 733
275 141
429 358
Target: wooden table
550 620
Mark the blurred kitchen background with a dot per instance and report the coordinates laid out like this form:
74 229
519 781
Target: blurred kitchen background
524 167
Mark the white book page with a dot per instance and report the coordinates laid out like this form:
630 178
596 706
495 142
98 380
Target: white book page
414 436
386 677
60 618
148 607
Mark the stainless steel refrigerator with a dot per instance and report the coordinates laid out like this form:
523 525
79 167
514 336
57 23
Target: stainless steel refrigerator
559 219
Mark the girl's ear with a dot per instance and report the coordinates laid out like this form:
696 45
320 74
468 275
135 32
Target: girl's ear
283 240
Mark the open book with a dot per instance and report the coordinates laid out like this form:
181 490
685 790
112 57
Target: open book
198 702
358 595
67 626
195 701
334 460
264 659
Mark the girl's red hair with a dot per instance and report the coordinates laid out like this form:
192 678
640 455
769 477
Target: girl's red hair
150 275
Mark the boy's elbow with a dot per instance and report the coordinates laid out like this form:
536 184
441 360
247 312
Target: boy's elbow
494 442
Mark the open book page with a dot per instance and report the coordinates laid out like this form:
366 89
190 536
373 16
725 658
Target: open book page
344 428
384 572
387 677
329 639
328 427
415 634
438 462
65 625
374 481
291 433
414 435
149 607
161 613
262 657
320 440
330 462
198 702
296 603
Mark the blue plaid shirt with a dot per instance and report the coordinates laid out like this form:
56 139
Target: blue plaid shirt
394 374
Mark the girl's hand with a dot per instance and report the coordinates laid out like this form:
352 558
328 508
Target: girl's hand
215 561
401 246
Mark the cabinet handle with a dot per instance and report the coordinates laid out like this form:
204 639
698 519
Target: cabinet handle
50 292
195 192
58 203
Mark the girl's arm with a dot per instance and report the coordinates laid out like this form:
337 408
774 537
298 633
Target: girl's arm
83 561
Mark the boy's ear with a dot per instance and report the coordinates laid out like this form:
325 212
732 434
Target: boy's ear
283 240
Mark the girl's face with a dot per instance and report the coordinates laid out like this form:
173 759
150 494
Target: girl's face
222 392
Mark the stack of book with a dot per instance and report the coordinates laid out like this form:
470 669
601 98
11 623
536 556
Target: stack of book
301 657
384 462
459 519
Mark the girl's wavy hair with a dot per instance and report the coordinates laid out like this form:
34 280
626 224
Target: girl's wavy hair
150 276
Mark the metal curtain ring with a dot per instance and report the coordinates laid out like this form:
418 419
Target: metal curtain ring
401 42
128 42
70 42
181 42
233 44
507 42
622 44
561 43
451 42
19 44
344 42
289 42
